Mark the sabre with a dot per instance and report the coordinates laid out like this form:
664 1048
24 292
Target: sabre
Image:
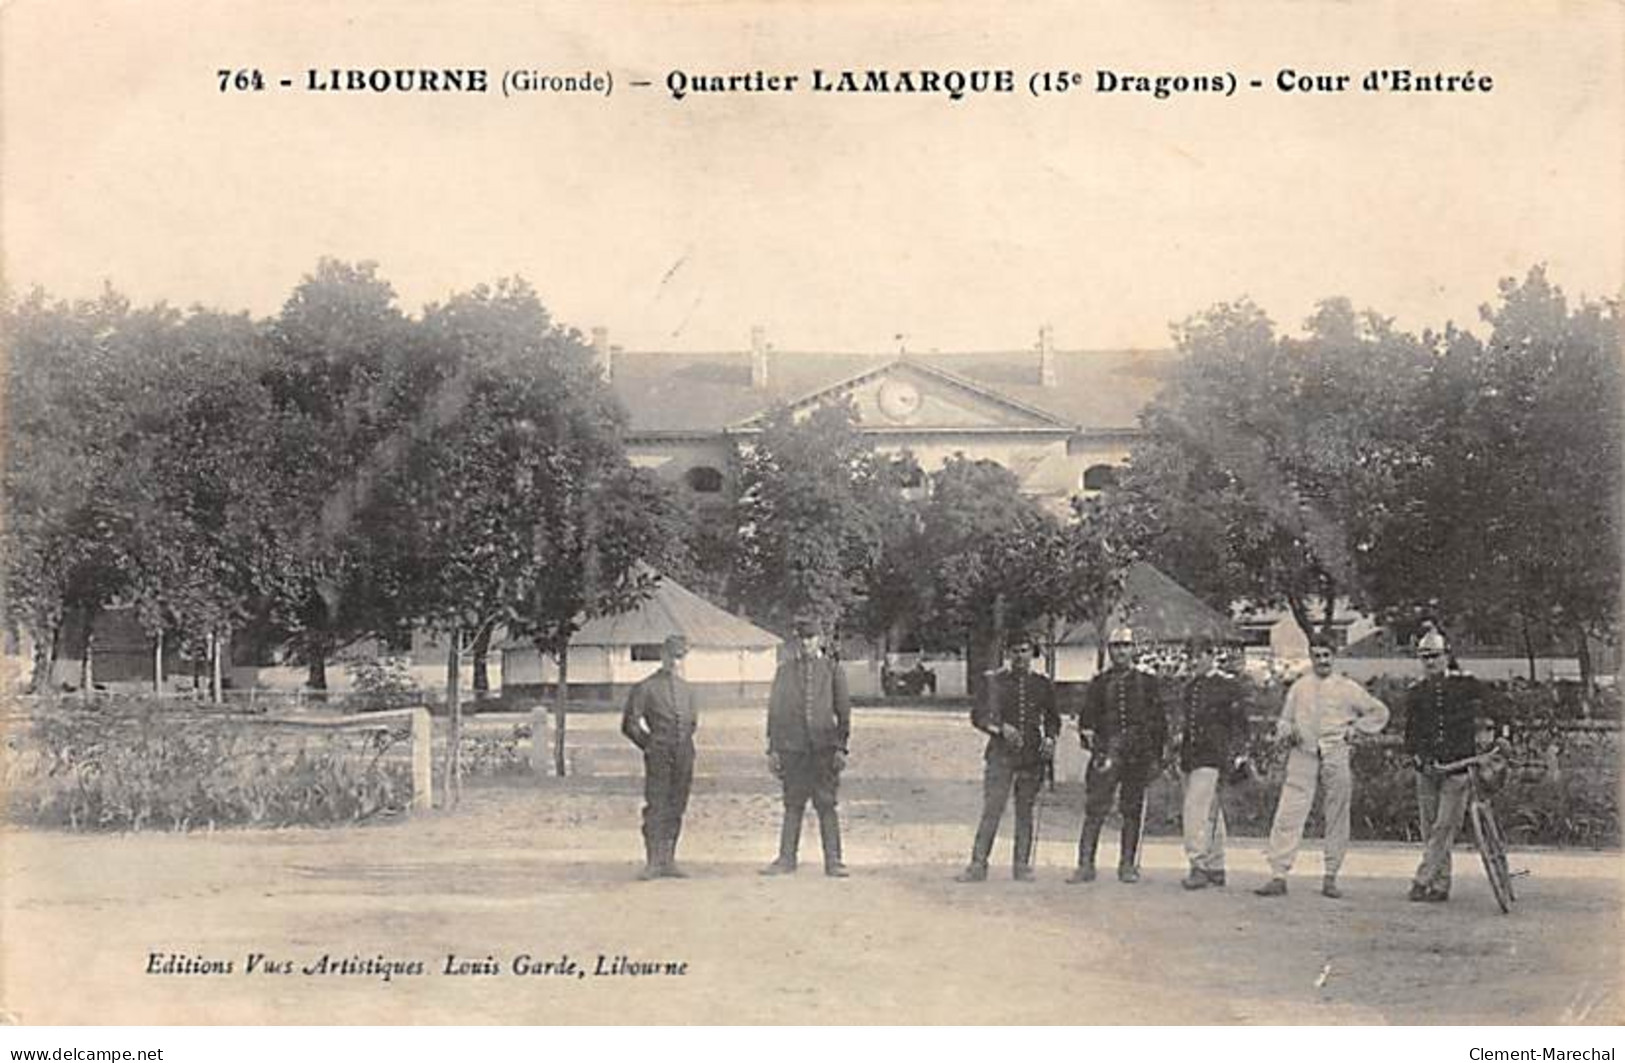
1046 778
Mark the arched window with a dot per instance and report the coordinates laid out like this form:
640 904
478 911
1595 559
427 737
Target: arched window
703 479
1099 477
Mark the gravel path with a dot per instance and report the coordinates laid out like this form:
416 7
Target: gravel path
545 871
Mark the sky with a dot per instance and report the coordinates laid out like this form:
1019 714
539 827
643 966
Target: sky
834 221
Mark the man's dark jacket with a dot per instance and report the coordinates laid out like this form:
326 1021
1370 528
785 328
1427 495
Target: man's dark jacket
1021 700
808 708
1213 718
1441 718
1124 710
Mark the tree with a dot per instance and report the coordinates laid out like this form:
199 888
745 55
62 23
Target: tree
199 481
808 531
1080 575
64 415
1513 515
346 379
510 500
1270 464
989 552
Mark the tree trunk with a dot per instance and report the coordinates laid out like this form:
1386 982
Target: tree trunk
561 708
1582 651
43 680
316 670
217 685
1528 646
87 667
481 649
1329 595
158 665
454 707
1300 614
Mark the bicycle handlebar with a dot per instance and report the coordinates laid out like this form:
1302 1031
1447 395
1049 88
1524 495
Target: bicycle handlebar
1495 753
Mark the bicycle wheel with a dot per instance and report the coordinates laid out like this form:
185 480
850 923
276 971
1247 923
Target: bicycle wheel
1498 845
1487 837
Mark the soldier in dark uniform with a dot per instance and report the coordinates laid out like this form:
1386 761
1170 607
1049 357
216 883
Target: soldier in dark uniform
1443 714
1122 722
809 719
660 718
1019 715
1213 739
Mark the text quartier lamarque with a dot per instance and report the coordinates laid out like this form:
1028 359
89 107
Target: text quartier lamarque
953 83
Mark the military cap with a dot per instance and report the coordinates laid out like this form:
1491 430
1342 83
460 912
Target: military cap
677 645
1121 636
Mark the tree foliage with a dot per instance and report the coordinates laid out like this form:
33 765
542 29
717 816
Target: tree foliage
810 487
1270 462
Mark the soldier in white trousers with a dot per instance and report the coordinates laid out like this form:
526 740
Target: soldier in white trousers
1321 713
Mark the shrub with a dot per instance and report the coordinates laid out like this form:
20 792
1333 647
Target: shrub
145 769
1565 793
495 753
385 683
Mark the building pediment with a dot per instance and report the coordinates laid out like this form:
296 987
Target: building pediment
912 397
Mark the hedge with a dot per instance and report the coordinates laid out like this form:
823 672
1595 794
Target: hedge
142 767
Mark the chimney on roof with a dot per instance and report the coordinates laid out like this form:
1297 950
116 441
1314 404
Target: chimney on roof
758 357
603 355
1046 356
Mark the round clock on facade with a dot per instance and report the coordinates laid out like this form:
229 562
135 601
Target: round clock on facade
899 399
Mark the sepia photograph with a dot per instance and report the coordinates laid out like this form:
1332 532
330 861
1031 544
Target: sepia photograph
729 513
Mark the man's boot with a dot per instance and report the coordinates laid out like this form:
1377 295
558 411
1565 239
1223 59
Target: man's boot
651 857
789 843
668 860
1275 887
1196 880
829 832
975 871
1084 873
1328 888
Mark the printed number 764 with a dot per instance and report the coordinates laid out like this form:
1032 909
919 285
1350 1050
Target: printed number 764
241 80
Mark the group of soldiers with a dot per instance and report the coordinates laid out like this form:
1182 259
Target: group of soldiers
1124 726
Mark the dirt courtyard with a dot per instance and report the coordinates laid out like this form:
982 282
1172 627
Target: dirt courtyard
471 913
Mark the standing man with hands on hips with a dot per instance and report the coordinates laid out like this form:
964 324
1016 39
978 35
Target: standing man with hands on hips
1321 714
809 720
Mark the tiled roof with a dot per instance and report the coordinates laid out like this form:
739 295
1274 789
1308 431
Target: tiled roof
1097 390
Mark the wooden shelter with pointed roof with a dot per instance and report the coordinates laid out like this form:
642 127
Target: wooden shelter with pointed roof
1159 611
730 659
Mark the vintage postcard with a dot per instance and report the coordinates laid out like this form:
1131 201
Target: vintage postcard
963 419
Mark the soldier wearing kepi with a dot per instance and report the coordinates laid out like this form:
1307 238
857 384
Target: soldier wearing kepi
660 717
1213 737
1019 715
1321 714
1122 721
809 720
1442 721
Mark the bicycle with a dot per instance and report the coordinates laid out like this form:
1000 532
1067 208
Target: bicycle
1487 836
